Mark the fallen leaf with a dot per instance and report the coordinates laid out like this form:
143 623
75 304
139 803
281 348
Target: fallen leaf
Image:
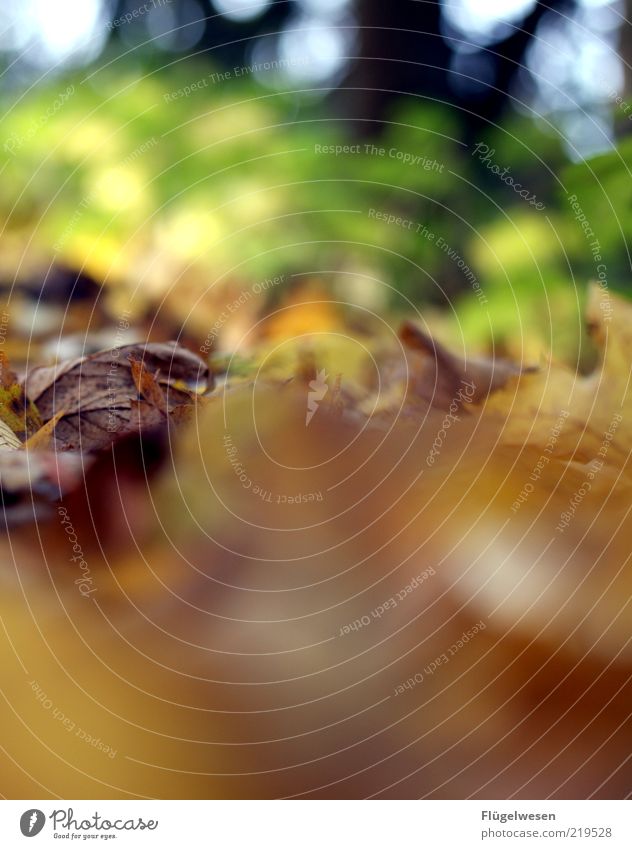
43 437
439 375
96 392
595 410
16 410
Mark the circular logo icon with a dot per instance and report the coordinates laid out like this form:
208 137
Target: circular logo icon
32 822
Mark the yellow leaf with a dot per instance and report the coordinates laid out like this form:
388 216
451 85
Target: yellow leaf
595 410
42 438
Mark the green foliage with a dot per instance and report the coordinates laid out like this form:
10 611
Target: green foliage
137 180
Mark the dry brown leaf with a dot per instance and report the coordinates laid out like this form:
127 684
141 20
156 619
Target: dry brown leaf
439 375
145 415
96 392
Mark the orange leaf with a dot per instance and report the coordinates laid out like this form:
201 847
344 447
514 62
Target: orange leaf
147 385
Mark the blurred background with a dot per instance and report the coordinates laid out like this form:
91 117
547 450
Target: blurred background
242 174
158 158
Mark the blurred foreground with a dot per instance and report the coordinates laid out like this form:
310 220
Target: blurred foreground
419 590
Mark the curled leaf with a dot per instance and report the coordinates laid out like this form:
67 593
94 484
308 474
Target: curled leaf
98 392
440 373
